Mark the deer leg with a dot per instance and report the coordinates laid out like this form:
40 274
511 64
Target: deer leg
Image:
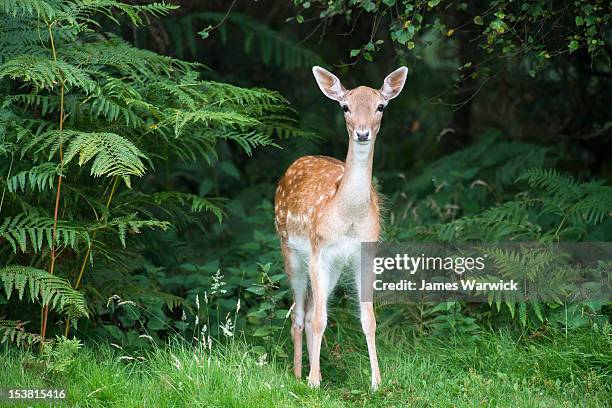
308 326
368 321
319 281
368 324
310 311
299 284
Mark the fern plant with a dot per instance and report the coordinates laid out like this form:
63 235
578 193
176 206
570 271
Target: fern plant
84 117
496 191
555 208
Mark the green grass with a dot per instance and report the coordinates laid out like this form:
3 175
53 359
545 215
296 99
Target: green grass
488 370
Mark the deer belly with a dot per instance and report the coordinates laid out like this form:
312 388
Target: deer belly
299 244
333 255
340 253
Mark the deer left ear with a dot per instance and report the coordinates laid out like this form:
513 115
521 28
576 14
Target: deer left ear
394 82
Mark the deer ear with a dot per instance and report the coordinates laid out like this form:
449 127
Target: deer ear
394 82
329 83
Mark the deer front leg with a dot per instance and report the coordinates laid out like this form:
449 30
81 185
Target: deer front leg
365 283
368 324
308 326
317 319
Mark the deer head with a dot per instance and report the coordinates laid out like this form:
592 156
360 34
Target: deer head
363 106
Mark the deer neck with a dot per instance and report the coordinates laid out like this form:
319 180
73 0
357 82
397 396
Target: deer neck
355 191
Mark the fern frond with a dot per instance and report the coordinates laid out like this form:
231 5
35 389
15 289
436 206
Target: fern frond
111 154
21 36
45 73
545 273
49 289
39 177
209 118
506 221
43 9
81 10
112 101
130 223
13 331
249 141
23 228
46 103
135 63
282 126
589 202
184 94
551 181
221 94
596 204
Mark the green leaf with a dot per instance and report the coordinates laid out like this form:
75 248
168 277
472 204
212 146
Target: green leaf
262 331
204 34
523 313
258 290
259 350
573 45
230 169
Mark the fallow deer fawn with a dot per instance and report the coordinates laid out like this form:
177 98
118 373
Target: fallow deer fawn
324 208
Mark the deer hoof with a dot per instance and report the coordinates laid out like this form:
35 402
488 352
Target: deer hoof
375 384
314 381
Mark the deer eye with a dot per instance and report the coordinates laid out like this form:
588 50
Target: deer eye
345 108
380 107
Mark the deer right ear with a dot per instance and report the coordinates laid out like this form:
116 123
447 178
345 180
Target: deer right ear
329 83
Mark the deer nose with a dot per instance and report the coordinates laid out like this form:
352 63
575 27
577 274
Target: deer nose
363 135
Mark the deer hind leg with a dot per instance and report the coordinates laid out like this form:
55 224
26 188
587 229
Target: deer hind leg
299 284
321 283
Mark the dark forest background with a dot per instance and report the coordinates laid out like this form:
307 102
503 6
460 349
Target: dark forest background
166 128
